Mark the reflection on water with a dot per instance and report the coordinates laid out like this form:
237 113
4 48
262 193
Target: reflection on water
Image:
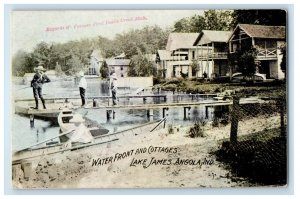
23 135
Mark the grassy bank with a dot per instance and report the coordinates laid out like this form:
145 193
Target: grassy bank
270 89
259 157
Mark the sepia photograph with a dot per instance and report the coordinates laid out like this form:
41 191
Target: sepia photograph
149 98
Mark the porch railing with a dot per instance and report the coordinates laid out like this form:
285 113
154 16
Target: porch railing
215 55
267 53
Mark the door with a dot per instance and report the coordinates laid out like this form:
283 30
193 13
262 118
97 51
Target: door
265 68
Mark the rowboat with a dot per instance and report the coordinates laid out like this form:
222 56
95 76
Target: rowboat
49 146
65 125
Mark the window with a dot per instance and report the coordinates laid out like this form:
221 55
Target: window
193 55
121 67
233 47
122 75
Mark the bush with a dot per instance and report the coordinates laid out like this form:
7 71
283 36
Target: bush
198 129
260 161
170 129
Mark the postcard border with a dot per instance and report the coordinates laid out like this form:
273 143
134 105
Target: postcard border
289 190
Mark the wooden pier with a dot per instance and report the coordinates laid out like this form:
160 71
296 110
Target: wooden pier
109 109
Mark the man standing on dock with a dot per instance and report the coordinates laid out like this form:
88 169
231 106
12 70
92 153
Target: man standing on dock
37 84
114 87
82 87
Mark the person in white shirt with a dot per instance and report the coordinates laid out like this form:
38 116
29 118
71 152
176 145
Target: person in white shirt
80 133
114 87
82 87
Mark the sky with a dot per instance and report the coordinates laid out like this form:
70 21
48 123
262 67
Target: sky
31 27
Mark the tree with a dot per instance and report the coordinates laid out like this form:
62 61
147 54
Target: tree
212 20
104 70
107 46
41 54
283 61
140 66
194 67
58 70
246 62
260 17
147 40
75 65
22 62
218 19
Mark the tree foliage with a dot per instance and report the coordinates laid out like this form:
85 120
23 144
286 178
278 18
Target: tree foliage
146 40
194 67
75 64
22 63
211 20
283 61
261 17
246 62
73 55
140 66
104 71
218 19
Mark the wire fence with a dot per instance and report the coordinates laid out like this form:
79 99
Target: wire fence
257 148
271 114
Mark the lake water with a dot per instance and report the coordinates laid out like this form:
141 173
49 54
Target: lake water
23 135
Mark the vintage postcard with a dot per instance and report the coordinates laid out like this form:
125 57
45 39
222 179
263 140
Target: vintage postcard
149 98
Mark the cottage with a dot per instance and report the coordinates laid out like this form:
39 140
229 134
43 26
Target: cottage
212 51
119 65
267 40
96 62
180 45
162 58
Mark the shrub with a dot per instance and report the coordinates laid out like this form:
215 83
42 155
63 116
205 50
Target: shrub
170 129
198 129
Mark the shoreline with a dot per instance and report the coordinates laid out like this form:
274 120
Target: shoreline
74 169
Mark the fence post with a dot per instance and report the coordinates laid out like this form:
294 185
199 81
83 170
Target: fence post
234 120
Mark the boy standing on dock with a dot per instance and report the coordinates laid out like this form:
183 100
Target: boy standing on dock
37 85
82 87
114 87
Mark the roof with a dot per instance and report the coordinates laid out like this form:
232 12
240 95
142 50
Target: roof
261 31
209 36
97 54
181 40
164 54
117 62
121 56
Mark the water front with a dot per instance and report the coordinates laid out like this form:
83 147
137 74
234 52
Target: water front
23 135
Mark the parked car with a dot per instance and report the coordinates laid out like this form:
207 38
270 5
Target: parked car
238 77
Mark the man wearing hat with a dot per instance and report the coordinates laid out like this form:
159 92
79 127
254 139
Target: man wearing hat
82 87
37 84
114 87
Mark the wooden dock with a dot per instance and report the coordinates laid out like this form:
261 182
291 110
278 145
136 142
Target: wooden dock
163 96
54 108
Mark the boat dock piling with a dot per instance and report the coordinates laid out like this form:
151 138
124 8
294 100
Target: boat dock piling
31 119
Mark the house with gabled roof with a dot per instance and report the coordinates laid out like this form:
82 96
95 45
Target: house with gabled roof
212 51
119 65
162 59
96 61
178 55
267 40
